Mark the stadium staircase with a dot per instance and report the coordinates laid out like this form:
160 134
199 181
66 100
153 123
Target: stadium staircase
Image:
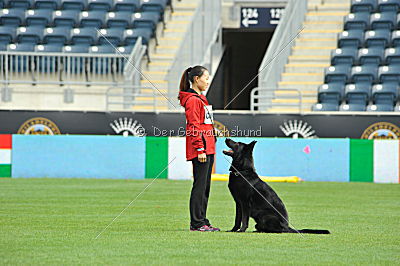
162 55
310 54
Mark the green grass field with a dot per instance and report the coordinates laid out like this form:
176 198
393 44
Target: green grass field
55 221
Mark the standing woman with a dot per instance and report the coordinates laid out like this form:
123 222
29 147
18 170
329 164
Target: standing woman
200 143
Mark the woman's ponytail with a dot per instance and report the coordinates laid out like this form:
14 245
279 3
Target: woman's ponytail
185 84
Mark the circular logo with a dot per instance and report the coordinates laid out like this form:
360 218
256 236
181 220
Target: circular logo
39 126
381 130
221 129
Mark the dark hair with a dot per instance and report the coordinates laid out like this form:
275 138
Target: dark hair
189 74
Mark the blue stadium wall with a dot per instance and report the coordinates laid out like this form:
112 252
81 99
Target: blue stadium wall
118 157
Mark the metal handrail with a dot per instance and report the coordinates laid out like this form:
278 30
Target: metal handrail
269 95
279 49
196 47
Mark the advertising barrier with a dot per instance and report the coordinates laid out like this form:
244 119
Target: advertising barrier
118 157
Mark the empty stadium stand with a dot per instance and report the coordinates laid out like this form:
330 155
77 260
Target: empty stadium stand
346 58
364 74
52 49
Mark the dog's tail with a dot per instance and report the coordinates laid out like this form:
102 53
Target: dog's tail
309 231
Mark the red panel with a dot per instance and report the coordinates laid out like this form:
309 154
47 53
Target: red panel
5 141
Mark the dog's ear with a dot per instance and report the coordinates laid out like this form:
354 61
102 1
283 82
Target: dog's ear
251 145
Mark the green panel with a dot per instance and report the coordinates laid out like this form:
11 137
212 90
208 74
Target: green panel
156 157
5 170
361 160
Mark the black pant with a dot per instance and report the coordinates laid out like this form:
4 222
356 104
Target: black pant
200 191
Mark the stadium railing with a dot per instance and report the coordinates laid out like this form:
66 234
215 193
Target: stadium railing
279 50
201 44
66 69
264 101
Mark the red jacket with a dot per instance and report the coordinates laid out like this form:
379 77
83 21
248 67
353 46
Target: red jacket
199 130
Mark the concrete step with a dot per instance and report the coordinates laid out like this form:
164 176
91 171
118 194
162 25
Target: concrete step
319 33
305 59
343 7
306 68
326 15
317 51
306 85
316 42
305 93
328 25
302 76
156 65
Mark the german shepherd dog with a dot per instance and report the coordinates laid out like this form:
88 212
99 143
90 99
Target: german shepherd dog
255 198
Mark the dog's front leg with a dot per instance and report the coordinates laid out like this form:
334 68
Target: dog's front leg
238 218
245 216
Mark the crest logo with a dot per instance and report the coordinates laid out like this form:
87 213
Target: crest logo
297 129
381 130
220 129
128 127
39 126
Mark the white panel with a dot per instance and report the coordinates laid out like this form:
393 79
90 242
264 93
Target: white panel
179 169
5 156
386 161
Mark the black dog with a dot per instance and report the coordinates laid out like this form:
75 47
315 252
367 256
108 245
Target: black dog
255 198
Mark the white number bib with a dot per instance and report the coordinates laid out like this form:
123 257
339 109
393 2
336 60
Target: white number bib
208 114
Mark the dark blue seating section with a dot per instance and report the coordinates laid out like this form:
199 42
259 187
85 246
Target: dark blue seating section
365 68
77 25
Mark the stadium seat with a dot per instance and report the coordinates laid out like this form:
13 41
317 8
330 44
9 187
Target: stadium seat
40 17
157 6
358 93
105 5
79 48
124 49
370 56
392 56
113 35
130 36
395 38
331 93
363 6
127 5
388 5
352 38
386 93
344 56
377 38
145 20
390 73
84 36
73 4
7 34
92 18
47 4
384 20
21 47
68 18
49 48
21 4
380 108
102 49
12 17
352 107
339 73
325 107
31 34
359 20
57 35
365 73
119 19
